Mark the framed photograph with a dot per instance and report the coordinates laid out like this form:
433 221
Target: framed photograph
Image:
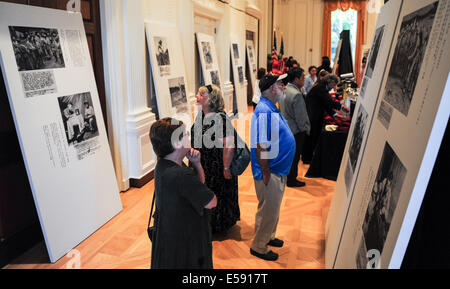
162 55
169 80
78 116
383 201
36 48
374 51
210 66
408 57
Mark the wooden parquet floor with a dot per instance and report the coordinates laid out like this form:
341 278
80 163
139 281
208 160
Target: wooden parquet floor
123 243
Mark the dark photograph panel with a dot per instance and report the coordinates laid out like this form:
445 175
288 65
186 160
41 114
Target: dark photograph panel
80 122
235 51
206 47
241 74
36 48
408 57
215 78
383 201
355 146
362 91
375 49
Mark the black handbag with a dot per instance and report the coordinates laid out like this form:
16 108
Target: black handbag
241 158
151 231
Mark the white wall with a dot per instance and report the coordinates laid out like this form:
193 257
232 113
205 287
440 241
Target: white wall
300 21
126 66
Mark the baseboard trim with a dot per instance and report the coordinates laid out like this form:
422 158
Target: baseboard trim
139 183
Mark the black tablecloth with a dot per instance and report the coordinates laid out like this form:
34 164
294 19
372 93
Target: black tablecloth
328 154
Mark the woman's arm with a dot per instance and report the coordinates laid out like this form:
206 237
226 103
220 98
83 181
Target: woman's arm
228 154
194 157
212 204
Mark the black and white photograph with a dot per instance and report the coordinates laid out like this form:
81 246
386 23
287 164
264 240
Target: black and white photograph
215 78
362 91
385 114
241 74
162 55
355 145
375 49
235 51
348 177
206 47
384 198
177 89
78 115
36 48
408 57
357 137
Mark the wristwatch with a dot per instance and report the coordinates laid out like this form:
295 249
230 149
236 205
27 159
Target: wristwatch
226 168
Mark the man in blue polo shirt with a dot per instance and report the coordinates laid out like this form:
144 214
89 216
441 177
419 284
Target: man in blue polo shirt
272 154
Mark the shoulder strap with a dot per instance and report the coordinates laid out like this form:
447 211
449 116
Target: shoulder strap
151 210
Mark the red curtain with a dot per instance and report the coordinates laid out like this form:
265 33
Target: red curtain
344 5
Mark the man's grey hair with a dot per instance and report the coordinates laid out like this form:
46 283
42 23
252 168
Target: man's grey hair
329 78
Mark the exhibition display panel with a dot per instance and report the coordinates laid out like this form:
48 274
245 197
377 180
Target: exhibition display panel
168 70
238 71
403 110
210 65
54 99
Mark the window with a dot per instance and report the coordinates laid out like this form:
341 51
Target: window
340 21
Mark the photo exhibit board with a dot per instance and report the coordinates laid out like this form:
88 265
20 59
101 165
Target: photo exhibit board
210 65
56 109
238 65
252 63
409 121
168 71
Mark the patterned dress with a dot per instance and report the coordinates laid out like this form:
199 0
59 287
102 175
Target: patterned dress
227 212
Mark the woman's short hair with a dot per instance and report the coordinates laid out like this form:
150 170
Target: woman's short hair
215 100
161 134
329 78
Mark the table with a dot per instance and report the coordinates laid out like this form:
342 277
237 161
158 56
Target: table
327 157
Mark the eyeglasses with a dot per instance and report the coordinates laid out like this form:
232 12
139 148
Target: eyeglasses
210 89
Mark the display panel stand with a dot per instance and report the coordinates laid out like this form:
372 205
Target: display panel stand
382 181
54 100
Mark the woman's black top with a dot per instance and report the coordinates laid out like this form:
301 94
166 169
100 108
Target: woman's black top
183 235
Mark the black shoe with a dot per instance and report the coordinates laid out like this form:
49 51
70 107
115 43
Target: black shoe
269 256
296 184
276 243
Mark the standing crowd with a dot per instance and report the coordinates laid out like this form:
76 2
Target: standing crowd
196 201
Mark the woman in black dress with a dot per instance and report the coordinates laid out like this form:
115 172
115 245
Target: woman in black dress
182 238
213 135
319 104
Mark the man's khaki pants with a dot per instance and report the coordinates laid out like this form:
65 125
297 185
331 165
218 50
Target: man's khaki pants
267 217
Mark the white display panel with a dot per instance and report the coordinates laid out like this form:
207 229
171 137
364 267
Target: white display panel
238 65
53 96
251 56
168 70
210 65
411 114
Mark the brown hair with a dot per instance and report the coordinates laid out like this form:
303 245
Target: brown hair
161 136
